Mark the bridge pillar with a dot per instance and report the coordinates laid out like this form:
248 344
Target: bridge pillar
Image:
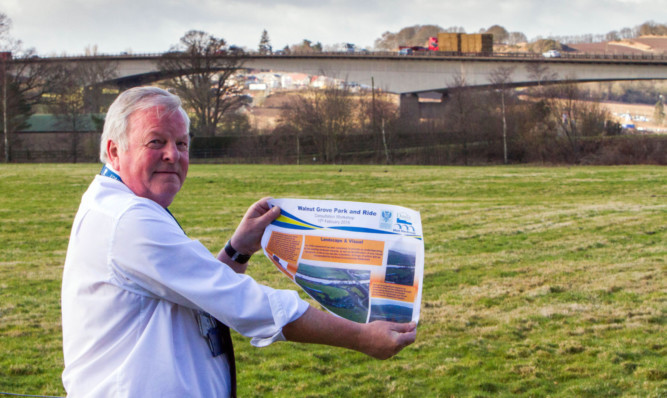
432 107
409 106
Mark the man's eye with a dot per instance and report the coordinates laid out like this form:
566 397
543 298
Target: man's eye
156 143
182 146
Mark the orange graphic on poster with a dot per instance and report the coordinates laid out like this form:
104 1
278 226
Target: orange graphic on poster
393 291
285 246
343 250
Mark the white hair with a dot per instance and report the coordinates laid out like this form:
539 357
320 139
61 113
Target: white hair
128 102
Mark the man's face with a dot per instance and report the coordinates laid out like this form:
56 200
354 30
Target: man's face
156 161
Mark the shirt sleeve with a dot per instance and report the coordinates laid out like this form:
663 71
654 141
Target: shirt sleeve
150 255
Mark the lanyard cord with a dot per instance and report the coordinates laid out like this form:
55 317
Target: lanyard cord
107 172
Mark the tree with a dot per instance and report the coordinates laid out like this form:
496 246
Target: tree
24 78
5 25
574 115
537 132
612 36
328 115
460 110
500 34
307 46
500 78
659 112
265 44
652 28
378 115
76 95
540 73
542 45
627 33
516 38
201 69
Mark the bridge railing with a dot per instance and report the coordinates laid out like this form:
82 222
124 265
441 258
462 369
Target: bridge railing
564 56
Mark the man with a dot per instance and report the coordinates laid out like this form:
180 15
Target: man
138 295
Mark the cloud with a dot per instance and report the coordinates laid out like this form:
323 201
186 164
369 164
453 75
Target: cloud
154 25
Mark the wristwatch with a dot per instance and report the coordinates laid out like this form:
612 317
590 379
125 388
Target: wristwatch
235 255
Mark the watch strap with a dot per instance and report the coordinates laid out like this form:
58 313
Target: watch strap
235 255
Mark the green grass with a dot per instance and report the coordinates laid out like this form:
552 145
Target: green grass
539 282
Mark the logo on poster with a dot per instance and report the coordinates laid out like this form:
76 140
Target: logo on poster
385 223
403 223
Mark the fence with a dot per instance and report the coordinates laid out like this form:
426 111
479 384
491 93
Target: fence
413 147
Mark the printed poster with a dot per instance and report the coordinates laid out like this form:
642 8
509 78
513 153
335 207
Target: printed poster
360 261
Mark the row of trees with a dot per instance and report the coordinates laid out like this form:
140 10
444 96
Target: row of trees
649 28
472 125
418 35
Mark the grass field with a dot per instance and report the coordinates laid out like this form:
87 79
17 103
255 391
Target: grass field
539 281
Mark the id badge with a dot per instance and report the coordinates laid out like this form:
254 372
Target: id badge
209 330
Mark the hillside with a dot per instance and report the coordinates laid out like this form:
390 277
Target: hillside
645 45
655 45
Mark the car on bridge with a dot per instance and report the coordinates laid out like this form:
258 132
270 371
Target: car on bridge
551 54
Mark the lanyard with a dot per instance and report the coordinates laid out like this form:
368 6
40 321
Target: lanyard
107 172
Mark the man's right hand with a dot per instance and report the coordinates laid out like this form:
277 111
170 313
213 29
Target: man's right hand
248 235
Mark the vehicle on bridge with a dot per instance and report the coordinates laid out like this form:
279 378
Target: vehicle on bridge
551 54
462 42
408 50
453 43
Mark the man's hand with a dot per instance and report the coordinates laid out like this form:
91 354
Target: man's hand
378 339
248 235
383 340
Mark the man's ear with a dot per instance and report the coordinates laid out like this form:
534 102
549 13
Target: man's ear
112 155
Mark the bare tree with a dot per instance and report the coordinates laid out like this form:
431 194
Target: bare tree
327 114
612 36
378 115
537 132
501 78
24 78
563 103
575 115
201 70
516 38
659 112
5 25
540 73
306 46
76 97
500 34
460 110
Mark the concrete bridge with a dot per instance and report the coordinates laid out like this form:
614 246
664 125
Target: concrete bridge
409 74
417 74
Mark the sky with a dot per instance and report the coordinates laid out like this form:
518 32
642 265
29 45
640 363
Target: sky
57 27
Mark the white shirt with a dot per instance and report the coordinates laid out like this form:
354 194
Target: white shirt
131 285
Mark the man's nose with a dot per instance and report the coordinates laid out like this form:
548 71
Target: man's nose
170 152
